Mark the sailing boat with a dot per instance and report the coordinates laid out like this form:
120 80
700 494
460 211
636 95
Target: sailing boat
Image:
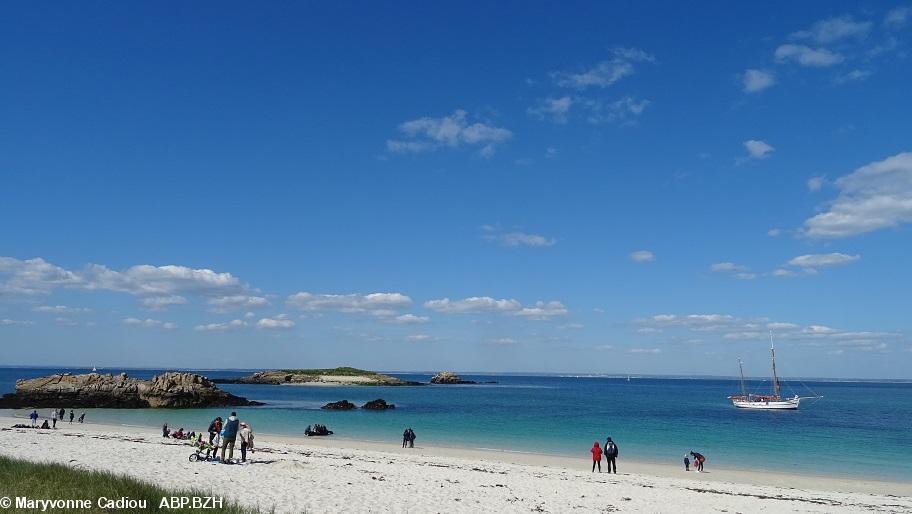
775 401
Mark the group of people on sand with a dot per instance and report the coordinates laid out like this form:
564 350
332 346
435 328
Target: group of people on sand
698 460
55 415
609 452
408 438
223 434
177 434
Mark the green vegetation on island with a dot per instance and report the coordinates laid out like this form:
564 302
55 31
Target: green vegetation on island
319 376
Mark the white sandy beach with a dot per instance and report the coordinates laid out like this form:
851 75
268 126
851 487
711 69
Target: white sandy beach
335 475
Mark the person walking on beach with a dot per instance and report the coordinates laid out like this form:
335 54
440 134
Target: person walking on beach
596 456
230 436
71 415
611 453
698 460
686 463
34 417
54 418
62 414
246 440
411 437
214 428
405 437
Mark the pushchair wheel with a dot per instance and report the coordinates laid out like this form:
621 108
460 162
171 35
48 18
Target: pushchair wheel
194 457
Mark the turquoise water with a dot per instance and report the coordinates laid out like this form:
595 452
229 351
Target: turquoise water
858 429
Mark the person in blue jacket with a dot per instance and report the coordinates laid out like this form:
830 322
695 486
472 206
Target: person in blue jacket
230 435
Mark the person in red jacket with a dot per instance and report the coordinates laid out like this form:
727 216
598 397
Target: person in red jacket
596 456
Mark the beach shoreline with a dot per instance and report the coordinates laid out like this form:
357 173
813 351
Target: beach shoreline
494 456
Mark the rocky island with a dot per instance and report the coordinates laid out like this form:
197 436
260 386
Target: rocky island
94 390
317 377
448 377
339 405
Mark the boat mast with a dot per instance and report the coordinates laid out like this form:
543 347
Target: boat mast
775 376
743 389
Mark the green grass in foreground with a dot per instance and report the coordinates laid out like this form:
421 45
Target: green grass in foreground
58 482
343 371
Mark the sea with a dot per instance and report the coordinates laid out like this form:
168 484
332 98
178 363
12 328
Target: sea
858 429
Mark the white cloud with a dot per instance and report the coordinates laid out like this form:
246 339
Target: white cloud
898 17
815 183
642 256
382 305
757 149
745 276
873 197
503 341
773 232
149 323
6 322
782 273
34 276
237 302
650 351
723 267
550 152
730 328
409 319
516 238
427 134
157 303
419 338
60 309
757 80
234 324
605 73
834 29
853 76
552 109
622 111
486 304
276 322
807 56
649 330
823 259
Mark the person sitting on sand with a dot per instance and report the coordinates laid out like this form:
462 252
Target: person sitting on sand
34 417
179 434
596 456
82 417
686 463
698 460
46 425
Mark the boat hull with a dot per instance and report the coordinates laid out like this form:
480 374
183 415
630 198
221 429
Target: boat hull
790 404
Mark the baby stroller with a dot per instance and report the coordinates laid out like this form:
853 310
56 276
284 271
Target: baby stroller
203 446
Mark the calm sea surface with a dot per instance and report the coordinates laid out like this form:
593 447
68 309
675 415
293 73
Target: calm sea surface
859 429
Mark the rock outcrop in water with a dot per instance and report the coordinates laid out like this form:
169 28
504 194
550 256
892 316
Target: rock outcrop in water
94 390
339 405
378 404
448 377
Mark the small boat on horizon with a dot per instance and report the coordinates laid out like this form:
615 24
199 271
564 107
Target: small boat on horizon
773 401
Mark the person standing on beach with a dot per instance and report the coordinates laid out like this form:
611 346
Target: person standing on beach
54 418
405 437
698 460
214 428
686 463
72 415
411 437
231 430
62 414
34 417
246 440
611 453
596 456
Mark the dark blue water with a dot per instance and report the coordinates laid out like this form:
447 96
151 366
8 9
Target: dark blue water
857 429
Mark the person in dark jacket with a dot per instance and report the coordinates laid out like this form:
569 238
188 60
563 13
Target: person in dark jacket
611 453
214 428
405 437
72 415
686 463
230 436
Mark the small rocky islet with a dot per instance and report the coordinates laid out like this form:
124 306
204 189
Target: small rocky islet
378 404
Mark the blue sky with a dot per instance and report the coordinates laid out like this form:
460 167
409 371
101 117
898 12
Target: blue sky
627 188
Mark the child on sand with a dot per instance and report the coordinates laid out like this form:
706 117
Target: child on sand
596 456
686 463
